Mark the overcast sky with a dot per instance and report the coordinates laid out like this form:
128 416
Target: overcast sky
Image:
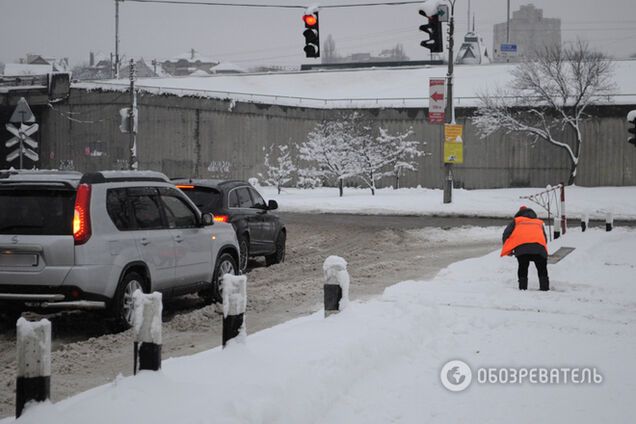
249 36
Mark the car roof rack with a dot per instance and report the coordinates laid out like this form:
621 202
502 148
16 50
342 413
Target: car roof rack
123 176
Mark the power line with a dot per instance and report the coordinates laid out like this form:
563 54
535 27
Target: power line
277 6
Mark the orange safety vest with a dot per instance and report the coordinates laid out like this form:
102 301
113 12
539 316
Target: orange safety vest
527 230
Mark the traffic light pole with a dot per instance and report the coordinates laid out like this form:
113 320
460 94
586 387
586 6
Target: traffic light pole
450 110
116 67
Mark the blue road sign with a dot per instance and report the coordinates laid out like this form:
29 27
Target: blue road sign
508 48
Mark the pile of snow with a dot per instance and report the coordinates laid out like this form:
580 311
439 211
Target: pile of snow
361 88
495 203
380 361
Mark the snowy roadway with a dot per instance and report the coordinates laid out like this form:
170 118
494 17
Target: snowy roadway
381 250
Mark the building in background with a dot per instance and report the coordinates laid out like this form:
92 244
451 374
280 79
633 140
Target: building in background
187 63
529 30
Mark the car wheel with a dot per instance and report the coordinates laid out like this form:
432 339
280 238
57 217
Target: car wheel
278 256
123 303
225 264
244 253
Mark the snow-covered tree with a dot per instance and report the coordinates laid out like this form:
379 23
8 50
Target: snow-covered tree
400 152
328 146
548 97
279 171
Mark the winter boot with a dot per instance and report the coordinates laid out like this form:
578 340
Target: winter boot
544 283
523 284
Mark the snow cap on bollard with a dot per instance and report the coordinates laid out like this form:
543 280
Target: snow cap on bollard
234 288
147 318
34 362
585 221
336 284
147 330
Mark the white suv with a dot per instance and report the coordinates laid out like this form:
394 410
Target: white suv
88 241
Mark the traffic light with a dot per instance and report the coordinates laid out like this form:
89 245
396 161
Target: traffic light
434 30
311 33
632 130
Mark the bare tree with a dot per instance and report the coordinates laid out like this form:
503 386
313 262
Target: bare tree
328 146
548 97
329 50
401 153
279 171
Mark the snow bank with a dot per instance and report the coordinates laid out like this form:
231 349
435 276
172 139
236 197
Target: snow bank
379 361
496 203
360 88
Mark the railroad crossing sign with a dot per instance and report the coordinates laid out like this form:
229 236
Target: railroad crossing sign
22 113
436 103
21 131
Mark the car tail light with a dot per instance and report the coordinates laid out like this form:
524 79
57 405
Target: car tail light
82 215
221 218
185 187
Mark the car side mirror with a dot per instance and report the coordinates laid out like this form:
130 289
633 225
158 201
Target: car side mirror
272 204
207 219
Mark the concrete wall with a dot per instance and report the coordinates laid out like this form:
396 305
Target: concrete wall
185 136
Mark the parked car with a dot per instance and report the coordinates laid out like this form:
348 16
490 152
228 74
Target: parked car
88 241
259 232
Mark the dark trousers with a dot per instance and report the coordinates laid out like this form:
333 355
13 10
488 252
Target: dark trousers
540 262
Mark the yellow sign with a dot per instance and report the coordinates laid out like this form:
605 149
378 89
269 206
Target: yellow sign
453 143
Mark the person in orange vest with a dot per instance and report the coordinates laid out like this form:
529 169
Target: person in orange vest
525 238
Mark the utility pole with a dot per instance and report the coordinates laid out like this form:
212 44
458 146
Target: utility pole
116 67
508 23
132 119
450 110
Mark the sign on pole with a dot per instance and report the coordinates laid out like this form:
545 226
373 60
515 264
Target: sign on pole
436 101
508 49
22 113
453 143
25 146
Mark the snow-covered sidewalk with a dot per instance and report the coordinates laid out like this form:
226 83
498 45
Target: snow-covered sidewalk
596 201
380 361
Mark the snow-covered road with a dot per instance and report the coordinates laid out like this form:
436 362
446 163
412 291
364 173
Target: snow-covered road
380 250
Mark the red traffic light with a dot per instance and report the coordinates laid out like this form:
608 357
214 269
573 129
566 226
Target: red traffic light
310 20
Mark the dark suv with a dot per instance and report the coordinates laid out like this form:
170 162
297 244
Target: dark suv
259 232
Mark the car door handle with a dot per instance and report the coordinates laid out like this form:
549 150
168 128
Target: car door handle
178 238
145 241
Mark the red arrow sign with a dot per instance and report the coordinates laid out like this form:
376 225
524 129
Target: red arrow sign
437 97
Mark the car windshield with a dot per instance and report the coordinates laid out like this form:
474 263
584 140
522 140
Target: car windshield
36 211
206 199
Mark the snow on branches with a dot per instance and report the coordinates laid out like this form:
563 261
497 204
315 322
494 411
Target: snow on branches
347 148
548 96
279 171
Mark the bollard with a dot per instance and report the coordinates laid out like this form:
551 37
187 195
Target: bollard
336 285
147 330
557 227
34 363
585 222
609 221
234 305
564 222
